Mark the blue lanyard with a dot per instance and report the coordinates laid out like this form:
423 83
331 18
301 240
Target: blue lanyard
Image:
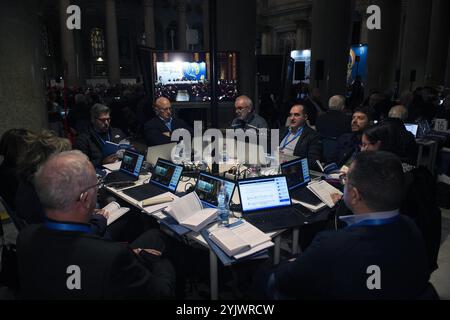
103 141
67 226
299 132
375 222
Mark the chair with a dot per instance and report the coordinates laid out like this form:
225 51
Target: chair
19 223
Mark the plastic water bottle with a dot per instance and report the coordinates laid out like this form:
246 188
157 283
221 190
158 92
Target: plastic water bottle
223 212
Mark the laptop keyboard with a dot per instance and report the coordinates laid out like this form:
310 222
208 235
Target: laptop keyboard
278 219
144 191
305 195
118 176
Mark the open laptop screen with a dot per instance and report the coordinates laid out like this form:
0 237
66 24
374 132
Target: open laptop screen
132 163
208 187
264 193
166 174
296 172
412 127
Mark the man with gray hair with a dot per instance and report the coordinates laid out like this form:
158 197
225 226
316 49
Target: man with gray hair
93 142
62 259
246 117
399 112
334 122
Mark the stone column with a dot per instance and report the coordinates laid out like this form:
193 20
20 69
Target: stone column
301 35
437 45
415 43
205 24
22 87
266 41
149 23
181 11
330 45
382 47
112 46
67 46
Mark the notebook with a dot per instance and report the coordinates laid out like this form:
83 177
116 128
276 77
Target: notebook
266 203
297 175
129 168
165 177
412 127
163 151
208 186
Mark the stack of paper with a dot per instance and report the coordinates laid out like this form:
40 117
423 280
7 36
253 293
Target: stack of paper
323 190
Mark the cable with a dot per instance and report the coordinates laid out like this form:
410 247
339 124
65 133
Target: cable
186 186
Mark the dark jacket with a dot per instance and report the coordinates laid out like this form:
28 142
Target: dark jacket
90 144
347 147
154 128
333 123
308 146
335 265
108 270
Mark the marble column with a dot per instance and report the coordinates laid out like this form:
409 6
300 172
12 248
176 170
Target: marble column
301 37
415 43
382 47
22 85
181 11
438 43
149 23
67 46
331 34
266 41
112 45
205 10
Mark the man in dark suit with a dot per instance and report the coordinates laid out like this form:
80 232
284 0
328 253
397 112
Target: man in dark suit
93 142
159 129
62 259
299 139
380 254
334 122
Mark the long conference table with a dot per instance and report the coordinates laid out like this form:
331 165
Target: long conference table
194 237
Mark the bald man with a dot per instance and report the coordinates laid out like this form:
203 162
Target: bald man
159 129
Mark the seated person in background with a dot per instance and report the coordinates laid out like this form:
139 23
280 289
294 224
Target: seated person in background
158 130
348 144
62 259
334 122
246 117
12 149
299 139
408 147
340 264
92 142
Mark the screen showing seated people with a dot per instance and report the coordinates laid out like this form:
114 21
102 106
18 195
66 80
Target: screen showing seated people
166 174
208 186
296 172
132 162
264 193
184 76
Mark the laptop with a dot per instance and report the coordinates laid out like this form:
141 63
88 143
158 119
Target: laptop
165 177
129 168
208 186
412 127
297 175
266 203
163 151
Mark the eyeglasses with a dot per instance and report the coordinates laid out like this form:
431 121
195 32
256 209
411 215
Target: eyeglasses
103 119
365 145
100 184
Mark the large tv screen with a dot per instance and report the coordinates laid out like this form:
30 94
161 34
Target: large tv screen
185 76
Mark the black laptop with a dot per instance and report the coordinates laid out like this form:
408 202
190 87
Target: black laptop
129 168
297 175
266 203
208 186
165 177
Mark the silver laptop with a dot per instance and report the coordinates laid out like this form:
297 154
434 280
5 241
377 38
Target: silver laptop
163 151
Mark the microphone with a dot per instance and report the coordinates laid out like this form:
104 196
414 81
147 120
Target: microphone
252 127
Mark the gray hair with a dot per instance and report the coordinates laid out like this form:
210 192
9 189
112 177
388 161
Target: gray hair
336 103
246 100
62 178
399 111
97 109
